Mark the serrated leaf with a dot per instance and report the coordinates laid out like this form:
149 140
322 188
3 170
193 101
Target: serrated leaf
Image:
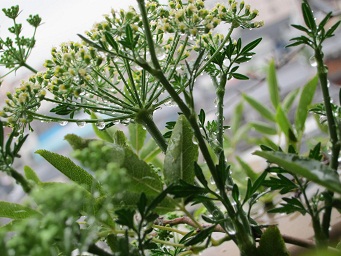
273 84
143 177
272 243
137 136
260 108
71 170
306 99
31 175
284 124
311 169
181 154
16 211
263 128
76 142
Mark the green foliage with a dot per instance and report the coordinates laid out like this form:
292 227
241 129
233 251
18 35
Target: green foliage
149 193
271 243
181 153
309 168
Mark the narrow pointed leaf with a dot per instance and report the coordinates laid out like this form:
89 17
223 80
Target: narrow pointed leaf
71 170
284 124
16 211
181 154
263 128
201 236
330 31
273 84
31 175
251 46
102 134
289 99
306 99
309 168
1 135
299 27
247 169
260 108
308 16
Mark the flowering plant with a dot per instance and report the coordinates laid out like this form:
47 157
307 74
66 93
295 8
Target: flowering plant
137 194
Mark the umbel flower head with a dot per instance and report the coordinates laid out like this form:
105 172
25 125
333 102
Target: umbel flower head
104 74
20 106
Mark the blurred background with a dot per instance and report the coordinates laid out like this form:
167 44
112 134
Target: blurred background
63 20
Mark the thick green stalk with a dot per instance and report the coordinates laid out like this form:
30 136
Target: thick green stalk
157 72
245 242
29 67
145 118
335 144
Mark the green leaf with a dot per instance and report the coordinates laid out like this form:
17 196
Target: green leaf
283 184
299 27
308 16
292 205
247 169
251 46
137 136
330 31
111 41
1 135
16 211
260 108
289 99
273 84
144 178
201 236
306 98
240 76
181 153
284 124
102 134
263 128
76 141
313 170
31 175
200 175
237 117
71 170
272 243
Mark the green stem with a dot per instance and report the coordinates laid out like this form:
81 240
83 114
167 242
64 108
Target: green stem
157 72
29 67
332 126
145 118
